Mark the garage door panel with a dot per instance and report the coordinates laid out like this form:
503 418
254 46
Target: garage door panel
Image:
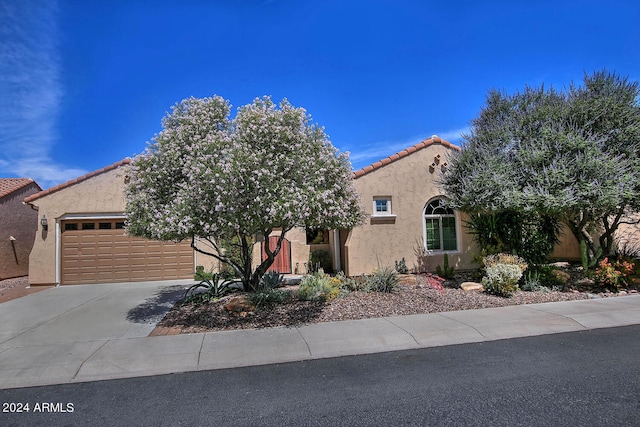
103 255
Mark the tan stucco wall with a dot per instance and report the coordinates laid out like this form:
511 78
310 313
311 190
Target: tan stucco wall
100 194
568 249
411 185
19 221
628 235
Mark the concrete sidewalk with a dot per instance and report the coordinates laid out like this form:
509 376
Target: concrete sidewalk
75 334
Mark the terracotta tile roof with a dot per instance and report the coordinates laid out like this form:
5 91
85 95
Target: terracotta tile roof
404 153
77 180
9 185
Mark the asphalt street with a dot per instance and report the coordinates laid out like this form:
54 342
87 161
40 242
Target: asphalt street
587 378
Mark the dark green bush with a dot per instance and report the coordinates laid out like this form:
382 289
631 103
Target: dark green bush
320 259
546 276
446 271
529 235
269 297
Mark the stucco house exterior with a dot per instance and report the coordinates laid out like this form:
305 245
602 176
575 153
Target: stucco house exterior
84 240
18 225
405 219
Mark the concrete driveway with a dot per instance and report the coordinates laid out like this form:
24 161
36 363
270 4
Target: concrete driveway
69 323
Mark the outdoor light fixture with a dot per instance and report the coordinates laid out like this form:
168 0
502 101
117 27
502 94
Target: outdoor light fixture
44 223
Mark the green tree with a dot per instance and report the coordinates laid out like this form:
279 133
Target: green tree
571 155
215 180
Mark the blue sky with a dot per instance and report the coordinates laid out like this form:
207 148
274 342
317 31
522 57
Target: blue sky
85 83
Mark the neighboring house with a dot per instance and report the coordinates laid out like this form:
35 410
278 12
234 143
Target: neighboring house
18 225
85 242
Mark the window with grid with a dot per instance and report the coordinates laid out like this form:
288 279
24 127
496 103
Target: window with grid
381 206
439 227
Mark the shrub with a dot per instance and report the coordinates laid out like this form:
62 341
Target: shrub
353 284
401 266
214 288
271 280
349 284
384 279
541 278
201 275
614 274
502 272
320 259
530 235
318 287
269 297
446 272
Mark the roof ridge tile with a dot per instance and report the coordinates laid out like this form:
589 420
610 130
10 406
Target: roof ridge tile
403 153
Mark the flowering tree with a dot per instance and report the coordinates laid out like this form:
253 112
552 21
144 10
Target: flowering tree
572 155
213 179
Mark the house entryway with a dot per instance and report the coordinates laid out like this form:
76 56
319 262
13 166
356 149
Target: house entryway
282 262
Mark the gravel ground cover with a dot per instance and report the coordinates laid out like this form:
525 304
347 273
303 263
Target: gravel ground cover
18 282
409 298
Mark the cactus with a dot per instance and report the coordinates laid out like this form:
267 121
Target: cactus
446 272
586 263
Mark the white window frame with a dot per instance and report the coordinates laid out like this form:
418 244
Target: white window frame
439 217
388 212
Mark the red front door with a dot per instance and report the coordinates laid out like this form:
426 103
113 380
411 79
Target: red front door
282 262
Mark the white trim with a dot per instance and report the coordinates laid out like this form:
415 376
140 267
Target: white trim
68 217
456 217
388 212
58 250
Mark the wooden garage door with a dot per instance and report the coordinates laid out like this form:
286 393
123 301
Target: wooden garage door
98 251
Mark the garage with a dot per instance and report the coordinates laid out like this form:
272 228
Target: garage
99 251
81 237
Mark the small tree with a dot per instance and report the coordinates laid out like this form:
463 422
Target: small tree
574 156
212 179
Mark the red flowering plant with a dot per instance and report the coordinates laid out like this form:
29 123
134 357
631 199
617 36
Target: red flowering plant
614 274
432 281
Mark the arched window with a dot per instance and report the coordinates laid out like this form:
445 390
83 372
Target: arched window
439 227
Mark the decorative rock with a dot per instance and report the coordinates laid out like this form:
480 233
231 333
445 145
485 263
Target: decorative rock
585 282
240 305
471 286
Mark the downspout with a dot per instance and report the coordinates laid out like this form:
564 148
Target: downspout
58 244
336 250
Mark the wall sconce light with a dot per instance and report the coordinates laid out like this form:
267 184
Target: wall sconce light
44 223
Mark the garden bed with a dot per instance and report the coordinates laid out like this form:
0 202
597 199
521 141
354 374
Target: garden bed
410 297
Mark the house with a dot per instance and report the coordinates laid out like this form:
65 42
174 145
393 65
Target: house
82 238
18 225
405 219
